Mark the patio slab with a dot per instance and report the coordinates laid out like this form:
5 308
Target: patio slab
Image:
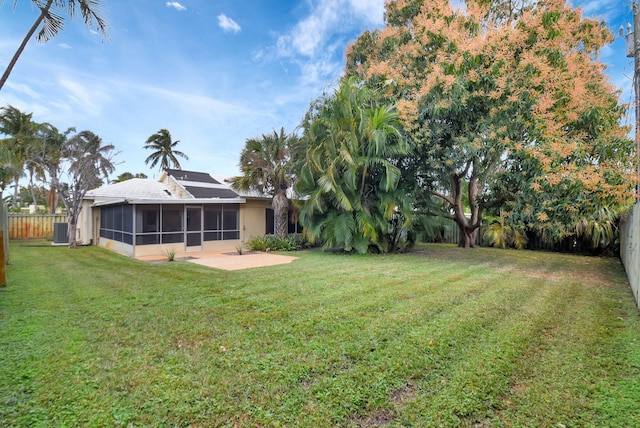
227 259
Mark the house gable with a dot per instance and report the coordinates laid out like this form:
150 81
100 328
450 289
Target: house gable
193 184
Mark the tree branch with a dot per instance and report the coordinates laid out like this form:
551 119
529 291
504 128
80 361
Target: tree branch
444 197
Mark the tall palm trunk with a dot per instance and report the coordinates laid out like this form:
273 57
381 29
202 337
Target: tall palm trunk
23 45
52 201
280 205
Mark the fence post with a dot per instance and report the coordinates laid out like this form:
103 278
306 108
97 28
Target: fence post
4 242
3 262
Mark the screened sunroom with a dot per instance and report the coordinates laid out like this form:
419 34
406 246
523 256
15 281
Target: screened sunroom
150 227
183 211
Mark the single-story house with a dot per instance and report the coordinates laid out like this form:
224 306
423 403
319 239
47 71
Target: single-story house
183 211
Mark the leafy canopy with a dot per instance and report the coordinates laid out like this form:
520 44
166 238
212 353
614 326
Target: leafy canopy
506 102
350 172
266 167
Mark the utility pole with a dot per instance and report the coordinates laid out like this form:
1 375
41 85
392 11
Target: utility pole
632 39
636 87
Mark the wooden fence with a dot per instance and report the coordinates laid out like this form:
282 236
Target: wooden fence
447 231
33 226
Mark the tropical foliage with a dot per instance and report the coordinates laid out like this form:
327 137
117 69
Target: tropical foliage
351 172
47 153
276 243
164 151
69 165
50 22
128 176
19 128
89 162
507 103
266 167
499 233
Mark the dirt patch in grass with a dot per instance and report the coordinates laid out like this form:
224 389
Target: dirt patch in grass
408 393
379 418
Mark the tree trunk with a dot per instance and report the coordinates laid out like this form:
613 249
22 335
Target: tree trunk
468 237
14 198
34 198
53 200
280 205
23 45
469 227
72 221
53 191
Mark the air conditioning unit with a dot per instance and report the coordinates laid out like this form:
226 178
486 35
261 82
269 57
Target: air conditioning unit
60 233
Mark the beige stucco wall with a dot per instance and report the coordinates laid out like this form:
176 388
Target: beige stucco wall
175 189
252 218
164 249
179 247
116 247
84 228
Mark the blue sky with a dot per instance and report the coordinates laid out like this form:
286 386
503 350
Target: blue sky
212 72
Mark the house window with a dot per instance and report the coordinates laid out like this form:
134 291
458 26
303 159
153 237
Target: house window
221 222
148 219
116 223
270 224
147 224
172 224
230 222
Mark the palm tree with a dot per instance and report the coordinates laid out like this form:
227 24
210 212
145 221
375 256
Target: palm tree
164 150
89 161
351 175
128 176
266 168
47 153
20 131
52 22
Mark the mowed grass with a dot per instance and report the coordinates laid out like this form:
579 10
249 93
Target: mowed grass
438 337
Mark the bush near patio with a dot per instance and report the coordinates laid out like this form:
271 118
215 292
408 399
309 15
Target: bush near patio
437 337
276 243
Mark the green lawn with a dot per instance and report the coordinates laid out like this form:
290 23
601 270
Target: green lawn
439 337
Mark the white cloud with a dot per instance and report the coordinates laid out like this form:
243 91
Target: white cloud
64 45
24 89
317 42
203 106
228 24
309 34
87 99
328 18
371 10
176 5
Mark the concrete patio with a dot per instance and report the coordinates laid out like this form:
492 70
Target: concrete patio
226 259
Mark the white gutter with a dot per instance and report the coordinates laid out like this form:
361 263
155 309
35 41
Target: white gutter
205 201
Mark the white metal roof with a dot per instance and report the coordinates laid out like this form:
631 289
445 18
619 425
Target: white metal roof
147 191
137 188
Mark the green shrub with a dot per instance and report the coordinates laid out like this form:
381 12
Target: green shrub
276 243
170 254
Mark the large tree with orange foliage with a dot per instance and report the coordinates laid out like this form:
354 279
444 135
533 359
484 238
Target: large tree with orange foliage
506 102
